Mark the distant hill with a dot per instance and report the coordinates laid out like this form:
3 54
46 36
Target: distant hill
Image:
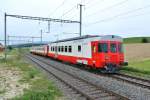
27 45
135 39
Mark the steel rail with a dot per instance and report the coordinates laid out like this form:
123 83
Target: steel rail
38 60
144 83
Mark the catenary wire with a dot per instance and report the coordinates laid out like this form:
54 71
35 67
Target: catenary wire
93 5
68 11
110 7
58 7
119 15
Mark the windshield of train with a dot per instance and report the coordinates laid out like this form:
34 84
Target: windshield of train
103 47
113 47
120 47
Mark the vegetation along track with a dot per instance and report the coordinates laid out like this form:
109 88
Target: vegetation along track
133 80
86 89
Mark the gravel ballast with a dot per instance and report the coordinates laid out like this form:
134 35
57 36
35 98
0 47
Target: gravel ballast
68 93
119 87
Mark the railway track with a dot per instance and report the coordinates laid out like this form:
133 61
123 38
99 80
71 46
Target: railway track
144 83
86 89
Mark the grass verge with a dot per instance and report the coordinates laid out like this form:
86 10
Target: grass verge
1 54
40 88
139 68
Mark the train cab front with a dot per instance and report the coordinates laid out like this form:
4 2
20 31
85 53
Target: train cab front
110 56
114 58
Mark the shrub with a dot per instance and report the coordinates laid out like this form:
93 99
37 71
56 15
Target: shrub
10 47
145 40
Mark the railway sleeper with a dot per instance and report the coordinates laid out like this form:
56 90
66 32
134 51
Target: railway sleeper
79 90
85 86
108 98
94 92
89 90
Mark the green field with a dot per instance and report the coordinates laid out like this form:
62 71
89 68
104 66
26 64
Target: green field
135 39
139 68
41 88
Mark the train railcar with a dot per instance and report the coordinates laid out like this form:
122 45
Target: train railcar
98 52
40 50
1 48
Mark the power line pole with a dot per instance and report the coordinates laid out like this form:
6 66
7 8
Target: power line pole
30 18
32 41
41 35
80 19
5 37
48 27
8 41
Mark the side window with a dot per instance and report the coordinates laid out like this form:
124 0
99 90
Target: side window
79 48
103 47
59 48
65 48
53 48
113 47
70 48
62 48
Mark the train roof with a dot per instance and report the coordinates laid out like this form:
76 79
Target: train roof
86 37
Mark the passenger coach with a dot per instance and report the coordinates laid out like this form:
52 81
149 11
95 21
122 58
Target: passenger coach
40 50
98 52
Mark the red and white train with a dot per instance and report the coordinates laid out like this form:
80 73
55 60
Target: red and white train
98 52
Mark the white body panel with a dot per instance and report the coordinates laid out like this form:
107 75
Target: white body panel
38 49
85 45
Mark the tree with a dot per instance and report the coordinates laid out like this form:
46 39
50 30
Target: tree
10 47
145 40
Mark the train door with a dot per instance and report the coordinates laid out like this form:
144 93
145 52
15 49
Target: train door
113 52
47 50
95 55
56 51
100 53
94 50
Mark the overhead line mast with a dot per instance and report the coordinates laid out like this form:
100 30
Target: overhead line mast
80 32
30 18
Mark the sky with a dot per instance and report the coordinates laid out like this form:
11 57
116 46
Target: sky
126 18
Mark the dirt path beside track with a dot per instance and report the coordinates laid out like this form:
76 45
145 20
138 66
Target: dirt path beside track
9 83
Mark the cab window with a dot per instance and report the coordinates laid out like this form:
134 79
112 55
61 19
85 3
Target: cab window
120 47
103 47
113 47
